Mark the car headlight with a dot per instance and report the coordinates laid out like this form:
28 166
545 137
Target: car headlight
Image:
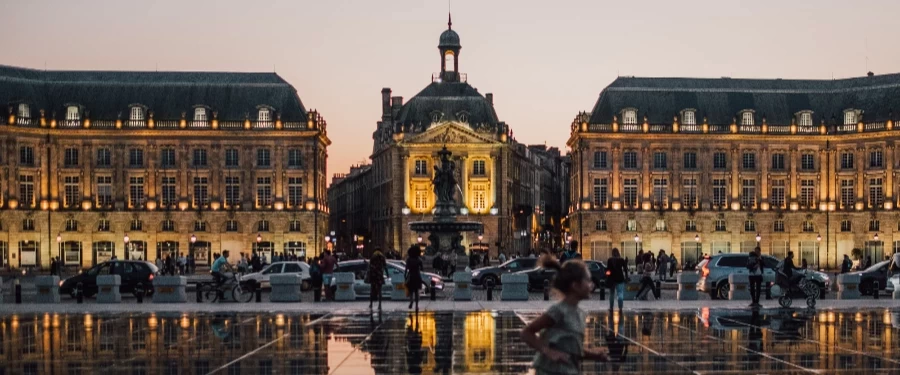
61 282
435 280
475 273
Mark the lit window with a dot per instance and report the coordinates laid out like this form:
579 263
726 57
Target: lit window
201 191
137 114
295 192
263 191
601 189
264 115
421 200
807 193
876 192
104 191
479 198
72 113
168 191
24 111
631 225
718 192
629 196
72 189
136 190
103 225
777 198
629 117
689 192
805 119
660 193
232 190
850 117
808 226
660 225
421 167
748 194
746 118
848 193
199 114
689 118
448 62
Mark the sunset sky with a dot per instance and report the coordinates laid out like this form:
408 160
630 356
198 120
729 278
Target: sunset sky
543 60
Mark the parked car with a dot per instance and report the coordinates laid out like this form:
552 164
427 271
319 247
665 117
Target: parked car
428 277
131 272
481 276
537 275
278 268
714 273
867 277
360 267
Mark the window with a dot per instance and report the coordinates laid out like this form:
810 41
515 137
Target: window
749 161
26 191
690 226
137 114
24 111
719 161
231 226
479 198
601 190
777 197
103 225
200 226
167 157
659 160
808 226
876 193
747 118
104 191
72 113
720 225
295 192
630 192
778 162
846 226
104 157
72 188
264 115
807 193
749 226
231 157
200 114
690 160
263 158
167 226
778 226
600 225
421 167
26 156
136 190
199 157
263 191
631 225
807 162
600 159
71 225
689 192
748 193
71 157
850 117
660 225
262 226
805 119
232 191
718 198
874 225
876 159
660 192
136 158
295 158
478 168
294 226
201 191
847 160
848 194
421 200
27 225
629 160
629 117
137 225
168 191
689 117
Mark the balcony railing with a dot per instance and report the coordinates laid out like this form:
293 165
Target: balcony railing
70 124
741 129
170 124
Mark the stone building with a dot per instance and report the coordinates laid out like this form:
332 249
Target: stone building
500 180
141 164
350 206
695 166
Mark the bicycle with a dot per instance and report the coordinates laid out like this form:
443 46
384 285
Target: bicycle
241 291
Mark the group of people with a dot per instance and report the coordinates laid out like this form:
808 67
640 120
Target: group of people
412 274
176 265
663 264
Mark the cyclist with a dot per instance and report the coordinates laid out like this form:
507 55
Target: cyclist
217 268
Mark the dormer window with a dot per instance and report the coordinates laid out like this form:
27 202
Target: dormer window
850 117
137 113
805 118
200 114
265 114
24 111
689 117
629 117
73 113
747 118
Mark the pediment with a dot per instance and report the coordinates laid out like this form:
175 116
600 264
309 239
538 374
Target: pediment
449 133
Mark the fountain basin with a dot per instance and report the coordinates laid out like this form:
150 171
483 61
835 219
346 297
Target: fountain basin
445 227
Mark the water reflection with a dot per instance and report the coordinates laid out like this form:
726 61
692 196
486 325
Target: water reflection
710 341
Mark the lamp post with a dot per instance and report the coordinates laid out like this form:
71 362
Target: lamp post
637 244
818 244
758 238
127 251
59 247
191 248
495 212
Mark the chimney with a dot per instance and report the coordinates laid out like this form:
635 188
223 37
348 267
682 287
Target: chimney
871 74
490 98
386 103
396 102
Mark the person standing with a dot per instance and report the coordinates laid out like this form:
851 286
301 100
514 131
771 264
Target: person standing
327 264
375 276
639 261
755 268
647 279
501 258
673 264
242 264
662 265
895 263
413 275
616 277
847 264
182 263
255 263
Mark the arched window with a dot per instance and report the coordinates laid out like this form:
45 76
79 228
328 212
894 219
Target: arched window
747 118
199 114
24 111
137 113
265 114
449 62
629 117
805 119
689 117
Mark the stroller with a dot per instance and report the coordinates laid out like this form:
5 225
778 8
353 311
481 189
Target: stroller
783 288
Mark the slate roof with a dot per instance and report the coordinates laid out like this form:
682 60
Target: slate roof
721 100
451 99
107 95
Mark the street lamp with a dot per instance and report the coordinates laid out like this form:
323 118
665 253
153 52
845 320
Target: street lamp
127 251
258 238
494 211
405 210
464 211
637 238
419 238
697 238
59 245
480 237
193 240
875 237
758 238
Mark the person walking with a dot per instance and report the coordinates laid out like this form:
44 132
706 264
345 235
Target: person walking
315 275
375 277
847 264
639 261
662 265
673 264
413 275
570 253
560 346
255 263
616 277
755 268
182 263
647 279
327 264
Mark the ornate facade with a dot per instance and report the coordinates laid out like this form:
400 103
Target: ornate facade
695 166
141 164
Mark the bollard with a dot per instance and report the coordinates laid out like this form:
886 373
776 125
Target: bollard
603 291
317 294
258 294
658 293
18 292
199 292
433 292
876 287
490 290
546 290
79 293
139 292
768 291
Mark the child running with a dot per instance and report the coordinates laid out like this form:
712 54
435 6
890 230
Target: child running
561 343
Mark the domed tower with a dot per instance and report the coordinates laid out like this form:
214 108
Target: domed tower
449 47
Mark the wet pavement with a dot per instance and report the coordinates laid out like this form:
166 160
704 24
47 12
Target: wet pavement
697 341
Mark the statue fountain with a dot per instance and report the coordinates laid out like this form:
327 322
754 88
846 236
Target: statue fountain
445 229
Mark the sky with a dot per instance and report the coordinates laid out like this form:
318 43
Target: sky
543 60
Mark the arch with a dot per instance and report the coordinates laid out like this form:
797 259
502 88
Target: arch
449 61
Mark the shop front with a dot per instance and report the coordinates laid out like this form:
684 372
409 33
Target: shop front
103 251
71 251
202 251
166 248
264 249
28 253
136 250
295 248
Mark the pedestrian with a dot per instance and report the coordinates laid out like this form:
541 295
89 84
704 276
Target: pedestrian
647 278
160 264
673 264
803 264
243 264
413 275
662 265
192 263
639 261
53 266
616 277
560 346
255 263
315 274
501 258
170 265
327 264
487 260
182 263
375 277
445 263
437 263
868 263
895 263
754 268
570 253
847 264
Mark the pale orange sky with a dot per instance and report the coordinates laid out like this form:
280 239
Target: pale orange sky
543 60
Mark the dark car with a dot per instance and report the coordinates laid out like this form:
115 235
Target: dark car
132 273
482 275
537 275
867 277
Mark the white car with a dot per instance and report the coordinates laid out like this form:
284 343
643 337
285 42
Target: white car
277 268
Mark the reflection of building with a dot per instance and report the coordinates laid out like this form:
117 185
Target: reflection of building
93 156
349 206
499 179
478 341
706 165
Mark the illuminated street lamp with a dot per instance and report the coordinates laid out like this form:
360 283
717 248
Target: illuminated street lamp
758 238
494 211
193 240
875 237
697 238
405 210
637 238
464 211
419 238
480 237
59 244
